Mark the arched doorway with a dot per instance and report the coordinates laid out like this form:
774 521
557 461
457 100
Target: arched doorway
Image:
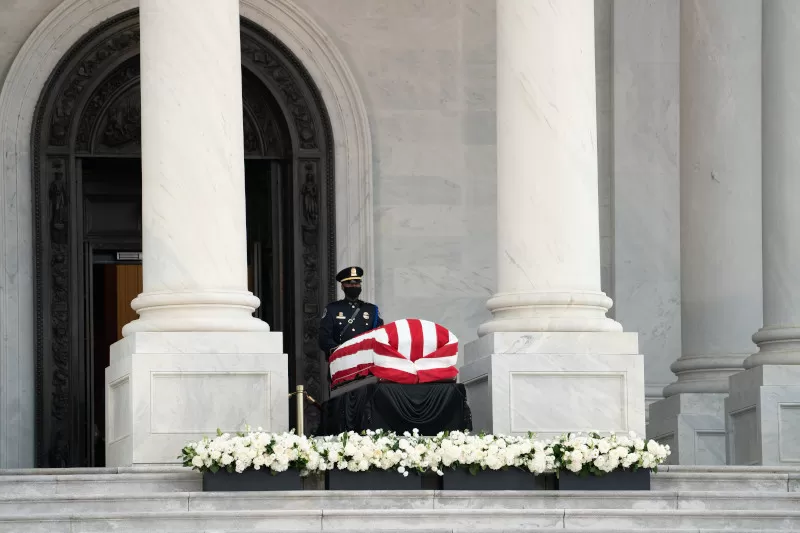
87 233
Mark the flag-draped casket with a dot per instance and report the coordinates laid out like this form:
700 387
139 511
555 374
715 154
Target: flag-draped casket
404 351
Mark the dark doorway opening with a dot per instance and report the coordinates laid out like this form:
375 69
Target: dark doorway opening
87 222
112 242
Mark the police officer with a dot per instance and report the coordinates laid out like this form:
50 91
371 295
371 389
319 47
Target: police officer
344 319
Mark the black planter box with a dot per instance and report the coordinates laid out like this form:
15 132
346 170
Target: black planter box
380 480
616 480
510 479
252 480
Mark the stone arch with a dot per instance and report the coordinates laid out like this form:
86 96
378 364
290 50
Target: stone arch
36 61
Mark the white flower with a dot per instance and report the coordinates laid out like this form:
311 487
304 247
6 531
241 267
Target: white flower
604 446
630 459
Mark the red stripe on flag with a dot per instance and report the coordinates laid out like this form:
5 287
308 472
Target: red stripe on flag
350 374
394 375
417 340
444 351
436 374
442 336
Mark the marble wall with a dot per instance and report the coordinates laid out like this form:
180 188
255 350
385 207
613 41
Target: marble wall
646 181
426 69
18 18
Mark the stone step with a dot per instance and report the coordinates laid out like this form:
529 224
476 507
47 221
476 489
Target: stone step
333 500
147 480
406 520
79 481
733 481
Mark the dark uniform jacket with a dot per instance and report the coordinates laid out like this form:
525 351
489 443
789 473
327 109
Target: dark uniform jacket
344 319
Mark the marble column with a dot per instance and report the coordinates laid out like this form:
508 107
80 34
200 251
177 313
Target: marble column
195 331
549 304
193 205
548 236
763 420
720 163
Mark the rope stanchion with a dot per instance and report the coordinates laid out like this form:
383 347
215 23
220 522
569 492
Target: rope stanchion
301 393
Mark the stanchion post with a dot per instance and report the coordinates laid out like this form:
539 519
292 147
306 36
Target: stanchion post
299 397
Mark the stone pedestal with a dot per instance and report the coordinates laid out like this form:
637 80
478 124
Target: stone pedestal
693 425
763 416
553 383
164 390
720 164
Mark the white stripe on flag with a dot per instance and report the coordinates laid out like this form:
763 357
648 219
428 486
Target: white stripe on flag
351 361
377 334
395 363
430 363
404 338
428 337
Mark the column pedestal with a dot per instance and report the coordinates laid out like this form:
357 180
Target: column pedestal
693 426
555 382
164 390
763 416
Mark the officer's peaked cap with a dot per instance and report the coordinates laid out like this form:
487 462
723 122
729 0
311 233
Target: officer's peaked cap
353 273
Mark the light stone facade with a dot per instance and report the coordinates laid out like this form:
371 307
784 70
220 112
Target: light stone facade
425 74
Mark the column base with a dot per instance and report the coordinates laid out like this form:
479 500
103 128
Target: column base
762 416
164 390
693 425
554 383
209 311
546 311
776 346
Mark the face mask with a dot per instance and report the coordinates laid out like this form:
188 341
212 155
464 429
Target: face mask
352 292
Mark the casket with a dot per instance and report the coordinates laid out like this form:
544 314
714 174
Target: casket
405 351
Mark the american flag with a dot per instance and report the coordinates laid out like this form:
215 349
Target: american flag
404 351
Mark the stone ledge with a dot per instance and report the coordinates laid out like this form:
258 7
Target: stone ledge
389 501
467 520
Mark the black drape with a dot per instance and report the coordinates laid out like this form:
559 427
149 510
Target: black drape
428 407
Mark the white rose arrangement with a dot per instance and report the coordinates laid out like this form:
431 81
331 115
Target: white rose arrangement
411 452
490 452
275 452
598 455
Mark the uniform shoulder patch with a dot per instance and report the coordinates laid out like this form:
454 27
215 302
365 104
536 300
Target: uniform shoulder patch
325 312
